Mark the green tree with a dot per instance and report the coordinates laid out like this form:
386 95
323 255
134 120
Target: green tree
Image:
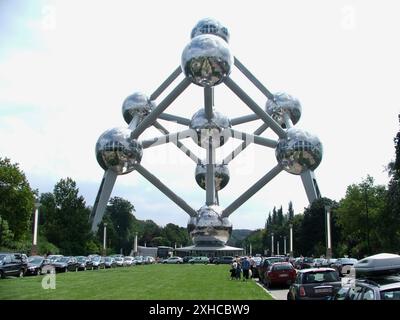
16 199
359 215
67 218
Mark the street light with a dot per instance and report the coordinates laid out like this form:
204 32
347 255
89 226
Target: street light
104 239
291 240
35 227
272 244
328 232
284 245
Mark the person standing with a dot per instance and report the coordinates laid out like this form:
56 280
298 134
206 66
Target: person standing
246 268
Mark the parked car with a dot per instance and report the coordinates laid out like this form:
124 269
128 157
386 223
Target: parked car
203 260
84 263
315 284
186 259
318 262
343 265
53 257
263 267
109 262
66 264
304 263
149 260
36 264
98 262
174 260
223 260
119 261
128 261
139 260
12 264
279 273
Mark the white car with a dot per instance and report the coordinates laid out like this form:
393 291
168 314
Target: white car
119 261
176 260
128 261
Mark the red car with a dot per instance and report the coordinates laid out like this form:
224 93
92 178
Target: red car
280 273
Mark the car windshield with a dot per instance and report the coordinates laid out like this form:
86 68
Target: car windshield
64 259
2 256
96 259
282 267
392 294
347 260
308 260
81 259
316 277
35 260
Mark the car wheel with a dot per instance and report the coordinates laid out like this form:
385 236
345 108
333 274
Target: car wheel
2 275
84 269
21 273
39 272
66 269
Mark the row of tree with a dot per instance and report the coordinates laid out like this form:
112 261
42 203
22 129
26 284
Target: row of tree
64 225
364 222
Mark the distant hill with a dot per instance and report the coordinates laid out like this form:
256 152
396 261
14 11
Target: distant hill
238 235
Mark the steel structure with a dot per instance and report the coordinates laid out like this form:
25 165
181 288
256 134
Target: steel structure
207 61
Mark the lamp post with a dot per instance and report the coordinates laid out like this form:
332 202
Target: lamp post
35 228
328 232
272 244
104 239
277 246
291 240
284 245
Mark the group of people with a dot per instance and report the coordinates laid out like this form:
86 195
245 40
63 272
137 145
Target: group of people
243 265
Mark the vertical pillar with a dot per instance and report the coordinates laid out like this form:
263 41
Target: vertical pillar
35 229
291 240
284 245
328 233
277 248
105 239
272 245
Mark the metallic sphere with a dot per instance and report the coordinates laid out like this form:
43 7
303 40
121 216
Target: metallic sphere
213 129
207 60
116 150
299 151
136 104
284 104
221 175
210 26
208 228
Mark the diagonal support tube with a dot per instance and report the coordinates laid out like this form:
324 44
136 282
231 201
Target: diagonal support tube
179 144
252 138
244 119
164 189
255 108
252 191
103 195
148 121
171 137
172 118
253 79
166 83
310 185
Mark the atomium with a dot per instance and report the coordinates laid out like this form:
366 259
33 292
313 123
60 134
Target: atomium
221 174
207 61
210 129
137 104
209 228
299 151
210 26
284 105
116 151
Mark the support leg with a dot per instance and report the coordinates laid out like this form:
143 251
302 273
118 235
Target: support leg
311 186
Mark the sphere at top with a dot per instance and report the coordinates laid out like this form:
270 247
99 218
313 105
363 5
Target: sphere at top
213 129
210 26
207 60
284 104
299 151
221 175
136 104
115 150
208 228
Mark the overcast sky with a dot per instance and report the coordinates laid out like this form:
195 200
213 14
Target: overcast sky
67 66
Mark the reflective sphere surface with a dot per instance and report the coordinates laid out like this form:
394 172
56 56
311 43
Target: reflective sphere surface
213 129
221 175
136 104
210 26
284 104
299 151
116 150
207 60
208 228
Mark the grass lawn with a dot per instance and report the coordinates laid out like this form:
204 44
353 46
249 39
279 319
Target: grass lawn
158 282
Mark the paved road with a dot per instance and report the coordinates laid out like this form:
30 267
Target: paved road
278 293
